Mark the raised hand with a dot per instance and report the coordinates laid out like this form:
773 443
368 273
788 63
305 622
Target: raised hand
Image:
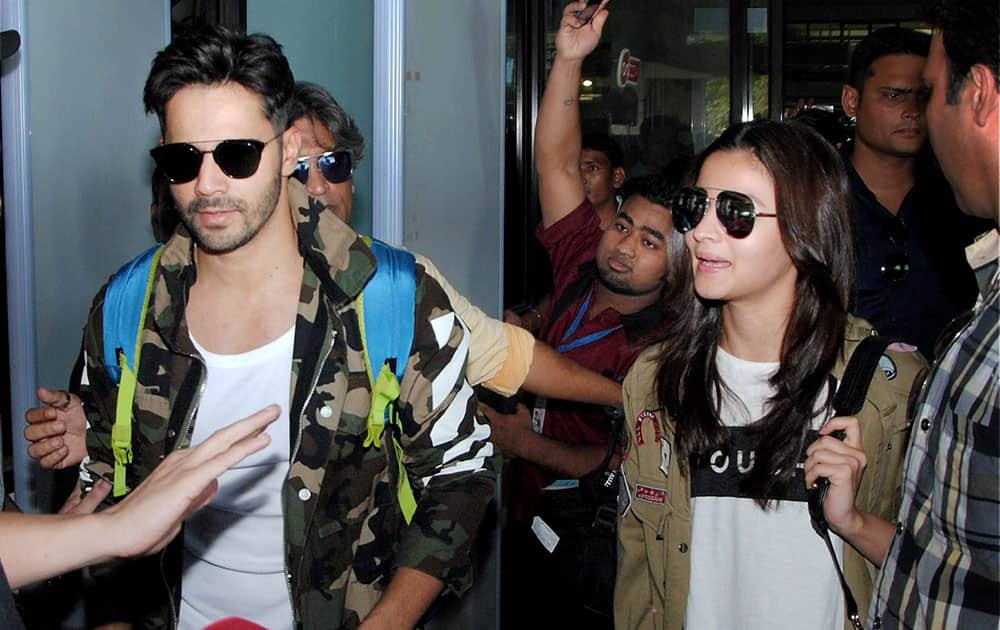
577 38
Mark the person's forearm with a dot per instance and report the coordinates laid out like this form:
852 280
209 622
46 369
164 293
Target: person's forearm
569 460
557 134
407 598
556 376
871 536
35 547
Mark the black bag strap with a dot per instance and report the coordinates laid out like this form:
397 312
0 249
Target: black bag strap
850 396
848 401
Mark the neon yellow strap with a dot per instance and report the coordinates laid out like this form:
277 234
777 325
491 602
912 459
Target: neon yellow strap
404 491
384 392
121 431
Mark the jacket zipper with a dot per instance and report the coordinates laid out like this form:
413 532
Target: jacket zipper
295 451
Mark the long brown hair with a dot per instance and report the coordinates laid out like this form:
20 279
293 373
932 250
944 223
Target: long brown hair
814 220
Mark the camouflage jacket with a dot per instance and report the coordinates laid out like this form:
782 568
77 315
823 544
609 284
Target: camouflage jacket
344 532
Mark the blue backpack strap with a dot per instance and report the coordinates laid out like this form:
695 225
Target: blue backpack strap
389 298
385 316
126 301
123 310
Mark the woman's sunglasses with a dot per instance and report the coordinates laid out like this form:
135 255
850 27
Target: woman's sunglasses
180 162
735 210
336 166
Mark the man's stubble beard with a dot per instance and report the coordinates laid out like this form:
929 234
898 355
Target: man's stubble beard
255 218
607 278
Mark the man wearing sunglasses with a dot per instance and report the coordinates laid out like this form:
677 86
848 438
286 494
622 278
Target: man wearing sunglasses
332 147
559 547
912 277
943 566
502 357
255 303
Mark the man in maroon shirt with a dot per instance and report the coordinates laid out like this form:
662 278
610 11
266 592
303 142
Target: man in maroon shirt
559 546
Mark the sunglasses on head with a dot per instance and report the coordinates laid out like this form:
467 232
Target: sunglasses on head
180 162
336 166
735 210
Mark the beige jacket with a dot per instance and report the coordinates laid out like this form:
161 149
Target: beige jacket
653 538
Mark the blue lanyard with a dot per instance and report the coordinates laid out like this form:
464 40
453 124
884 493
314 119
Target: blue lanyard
582 341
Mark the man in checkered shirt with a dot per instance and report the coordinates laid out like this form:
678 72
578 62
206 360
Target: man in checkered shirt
943 566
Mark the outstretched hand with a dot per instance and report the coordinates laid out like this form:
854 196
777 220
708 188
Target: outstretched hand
149 518
57 429
577 38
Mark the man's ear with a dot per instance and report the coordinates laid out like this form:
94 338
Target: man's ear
291 142
850 97
618 176
980 89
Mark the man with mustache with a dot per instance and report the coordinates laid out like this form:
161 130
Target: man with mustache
942 569
912 277
255 302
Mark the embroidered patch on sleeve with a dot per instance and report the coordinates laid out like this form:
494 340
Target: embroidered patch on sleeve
665 457
643 416
888 366
649 494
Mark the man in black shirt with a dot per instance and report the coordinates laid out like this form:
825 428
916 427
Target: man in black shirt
912 274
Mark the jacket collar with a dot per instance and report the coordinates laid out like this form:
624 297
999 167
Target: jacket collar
335 253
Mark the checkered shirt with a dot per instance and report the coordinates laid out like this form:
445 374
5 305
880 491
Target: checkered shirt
943 566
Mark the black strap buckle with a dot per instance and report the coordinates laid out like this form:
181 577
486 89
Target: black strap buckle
605 518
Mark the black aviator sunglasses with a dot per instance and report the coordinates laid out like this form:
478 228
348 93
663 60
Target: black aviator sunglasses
180 162
735 210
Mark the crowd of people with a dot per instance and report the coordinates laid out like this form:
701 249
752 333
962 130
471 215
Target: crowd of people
762 393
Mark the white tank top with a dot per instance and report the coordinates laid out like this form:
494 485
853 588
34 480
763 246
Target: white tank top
234 554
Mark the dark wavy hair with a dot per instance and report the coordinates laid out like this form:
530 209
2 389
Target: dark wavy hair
970 32
213 55
814 220
309 99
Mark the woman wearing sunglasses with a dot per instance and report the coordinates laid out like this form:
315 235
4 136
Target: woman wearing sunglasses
715 529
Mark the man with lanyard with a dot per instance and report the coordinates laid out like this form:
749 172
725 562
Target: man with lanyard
559 545
943 565
912 277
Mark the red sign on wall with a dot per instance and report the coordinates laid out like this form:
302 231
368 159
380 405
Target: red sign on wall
628 68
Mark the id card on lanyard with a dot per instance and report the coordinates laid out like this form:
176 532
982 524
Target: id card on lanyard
538 412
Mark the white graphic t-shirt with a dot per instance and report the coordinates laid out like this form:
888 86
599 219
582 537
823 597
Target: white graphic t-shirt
752 568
